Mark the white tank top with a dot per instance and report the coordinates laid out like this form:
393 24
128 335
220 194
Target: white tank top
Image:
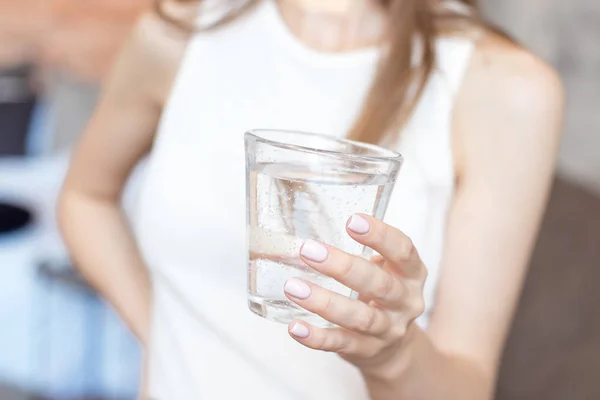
190 222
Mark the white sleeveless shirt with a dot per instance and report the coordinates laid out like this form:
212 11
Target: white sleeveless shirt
190 222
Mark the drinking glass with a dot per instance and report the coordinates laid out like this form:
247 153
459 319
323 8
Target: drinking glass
302 186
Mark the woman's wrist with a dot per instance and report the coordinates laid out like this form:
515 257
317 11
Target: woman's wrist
387 378
418 369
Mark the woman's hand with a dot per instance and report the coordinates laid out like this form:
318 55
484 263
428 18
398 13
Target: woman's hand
371 329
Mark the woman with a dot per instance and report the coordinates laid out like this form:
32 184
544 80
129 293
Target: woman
476 117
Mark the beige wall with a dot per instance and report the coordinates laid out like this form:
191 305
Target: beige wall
74 41
567 34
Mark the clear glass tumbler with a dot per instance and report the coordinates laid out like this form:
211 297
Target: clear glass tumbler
303 186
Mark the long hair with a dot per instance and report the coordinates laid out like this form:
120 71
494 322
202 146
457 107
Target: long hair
400 78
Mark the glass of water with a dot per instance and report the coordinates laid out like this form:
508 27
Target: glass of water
302 186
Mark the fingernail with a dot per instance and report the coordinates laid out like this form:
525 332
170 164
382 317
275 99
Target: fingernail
299 330
297 288
314 251
358 224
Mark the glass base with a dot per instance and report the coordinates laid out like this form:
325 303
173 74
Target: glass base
284 311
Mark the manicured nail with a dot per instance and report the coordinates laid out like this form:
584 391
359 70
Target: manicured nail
358 224
314 251
297 288
299 330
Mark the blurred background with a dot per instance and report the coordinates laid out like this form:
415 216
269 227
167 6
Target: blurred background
59 341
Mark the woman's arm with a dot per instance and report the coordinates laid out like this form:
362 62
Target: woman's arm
507 126
119 134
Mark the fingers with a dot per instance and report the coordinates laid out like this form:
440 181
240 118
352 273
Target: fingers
359 274
388 241
336 340
341 310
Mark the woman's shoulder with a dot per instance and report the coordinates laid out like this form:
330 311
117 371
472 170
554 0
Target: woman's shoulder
156 47
513 74
509 98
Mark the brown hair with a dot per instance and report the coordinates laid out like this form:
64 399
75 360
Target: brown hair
399 83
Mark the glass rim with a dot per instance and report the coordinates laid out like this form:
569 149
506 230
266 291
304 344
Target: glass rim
393 157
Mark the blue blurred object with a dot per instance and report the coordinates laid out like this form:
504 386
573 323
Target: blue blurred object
58 338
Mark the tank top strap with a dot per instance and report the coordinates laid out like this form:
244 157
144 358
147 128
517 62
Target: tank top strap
454 56
454 52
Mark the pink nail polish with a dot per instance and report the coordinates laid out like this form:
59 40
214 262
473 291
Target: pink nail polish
314 251
299 330
297 288
358 224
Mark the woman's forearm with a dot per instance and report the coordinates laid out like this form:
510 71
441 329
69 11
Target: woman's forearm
422 372
104 250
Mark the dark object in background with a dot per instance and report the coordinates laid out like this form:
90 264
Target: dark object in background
17 102
13 218
553 352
